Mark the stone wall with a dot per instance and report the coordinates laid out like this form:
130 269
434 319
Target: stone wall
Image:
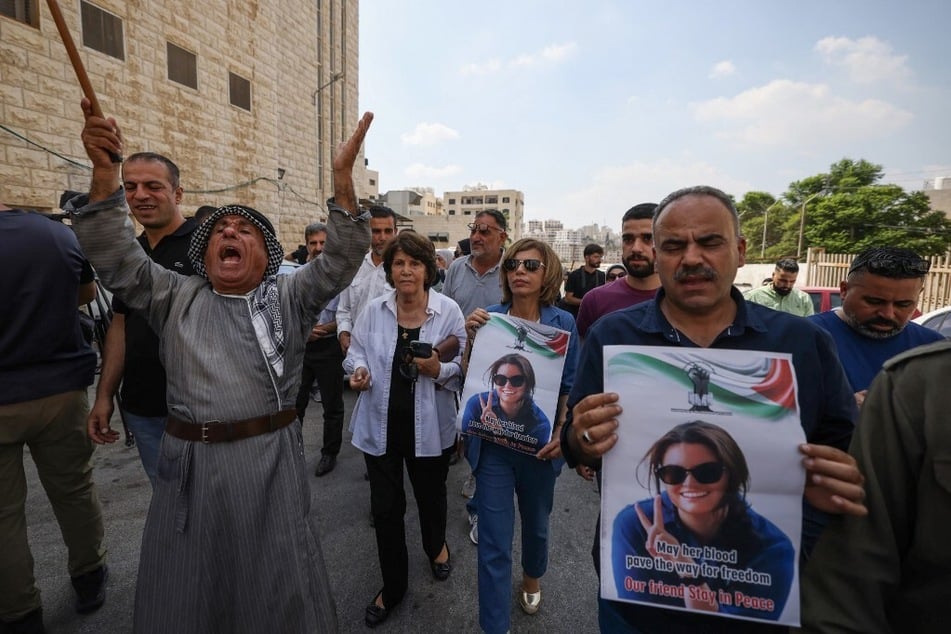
226 154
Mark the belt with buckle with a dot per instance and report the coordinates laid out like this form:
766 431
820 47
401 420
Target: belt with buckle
226 431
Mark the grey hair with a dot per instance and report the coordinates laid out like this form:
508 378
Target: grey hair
314 227
698 190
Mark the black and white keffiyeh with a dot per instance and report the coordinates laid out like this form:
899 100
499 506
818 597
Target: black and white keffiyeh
263 302
201 235
268 324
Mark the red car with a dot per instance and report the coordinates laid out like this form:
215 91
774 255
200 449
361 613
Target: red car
823 297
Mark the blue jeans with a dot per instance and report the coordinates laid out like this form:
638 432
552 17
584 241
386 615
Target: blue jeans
500 473
147 431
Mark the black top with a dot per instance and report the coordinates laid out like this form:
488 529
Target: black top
401 419
143 383
580 282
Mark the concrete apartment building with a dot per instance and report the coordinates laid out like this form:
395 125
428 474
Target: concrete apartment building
248 98
938 192
416 201
475 198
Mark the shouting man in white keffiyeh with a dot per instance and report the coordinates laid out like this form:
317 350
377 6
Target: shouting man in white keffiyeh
229 544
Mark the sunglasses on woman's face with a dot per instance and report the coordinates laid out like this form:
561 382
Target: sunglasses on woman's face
706 473
530 265
517 380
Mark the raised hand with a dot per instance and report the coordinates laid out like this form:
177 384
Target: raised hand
657 533
344 158
100 137
488 418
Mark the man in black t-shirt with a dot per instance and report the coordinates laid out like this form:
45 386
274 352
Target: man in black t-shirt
583 278
154 194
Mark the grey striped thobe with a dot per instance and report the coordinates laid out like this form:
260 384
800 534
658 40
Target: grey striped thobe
229 543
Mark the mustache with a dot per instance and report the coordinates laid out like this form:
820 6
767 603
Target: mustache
881 321
699 271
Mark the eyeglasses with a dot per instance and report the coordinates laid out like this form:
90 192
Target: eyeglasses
613 276
706 473
530 265
517 380
482 228
892 266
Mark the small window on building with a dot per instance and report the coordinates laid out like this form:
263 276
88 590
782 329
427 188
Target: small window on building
372 181
20 10
452 212
240 90
182 66
452 201
505 199
102 31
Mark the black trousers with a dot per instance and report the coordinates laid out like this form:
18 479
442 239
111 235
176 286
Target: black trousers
388 506
323 362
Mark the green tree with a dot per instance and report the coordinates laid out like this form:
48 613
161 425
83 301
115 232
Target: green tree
758 208
847 210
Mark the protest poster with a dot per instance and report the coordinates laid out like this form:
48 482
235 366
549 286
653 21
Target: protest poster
702 494
511 392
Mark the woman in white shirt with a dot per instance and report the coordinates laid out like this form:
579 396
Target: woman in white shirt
406 410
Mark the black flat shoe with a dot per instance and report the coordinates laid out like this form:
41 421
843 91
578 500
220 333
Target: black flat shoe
375 615
441 570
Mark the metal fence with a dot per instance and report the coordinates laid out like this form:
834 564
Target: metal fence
828 269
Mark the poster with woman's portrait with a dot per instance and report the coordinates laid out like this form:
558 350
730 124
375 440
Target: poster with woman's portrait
511 391
702 495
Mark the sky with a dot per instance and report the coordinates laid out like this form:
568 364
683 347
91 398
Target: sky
592 106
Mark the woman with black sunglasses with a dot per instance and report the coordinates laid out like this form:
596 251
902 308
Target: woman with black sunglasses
406 412
531 280
510 399
701 522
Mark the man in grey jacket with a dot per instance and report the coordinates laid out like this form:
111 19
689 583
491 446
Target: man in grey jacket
229 543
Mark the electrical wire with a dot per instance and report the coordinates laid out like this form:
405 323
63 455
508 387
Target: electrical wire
281 186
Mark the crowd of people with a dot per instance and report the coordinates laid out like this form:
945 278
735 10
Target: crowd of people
217 412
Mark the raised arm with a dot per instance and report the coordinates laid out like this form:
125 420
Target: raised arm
100 138
346 155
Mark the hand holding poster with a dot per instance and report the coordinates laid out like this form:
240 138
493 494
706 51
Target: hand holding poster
511 391
716 439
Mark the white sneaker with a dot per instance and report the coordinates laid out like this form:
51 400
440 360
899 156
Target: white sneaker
469 486
474 531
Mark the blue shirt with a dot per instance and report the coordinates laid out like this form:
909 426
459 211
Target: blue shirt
757 543
826 403
861 356
531 423
42 349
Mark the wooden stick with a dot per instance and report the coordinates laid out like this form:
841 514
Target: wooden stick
77 63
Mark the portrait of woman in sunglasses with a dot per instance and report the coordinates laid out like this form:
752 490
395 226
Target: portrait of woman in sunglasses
509 407
531 279
701 516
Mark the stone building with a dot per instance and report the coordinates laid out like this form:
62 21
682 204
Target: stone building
475 198
248 98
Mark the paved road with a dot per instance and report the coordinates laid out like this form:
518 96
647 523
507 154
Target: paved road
340 502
